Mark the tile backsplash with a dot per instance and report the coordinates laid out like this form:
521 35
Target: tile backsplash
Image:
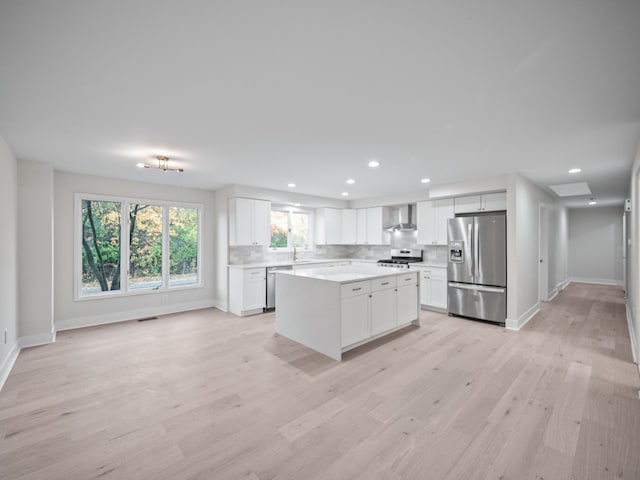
260 254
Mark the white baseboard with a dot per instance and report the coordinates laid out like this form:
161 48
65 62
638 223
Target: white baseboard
632 335
552 294
221 305
523 319
7 364
599 281
564 284
37 340
115 317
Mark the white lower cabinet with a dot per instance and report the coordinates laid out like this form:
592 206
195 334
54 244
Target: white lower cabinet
370 308
356 325
247 290
383 311
407 304
433 287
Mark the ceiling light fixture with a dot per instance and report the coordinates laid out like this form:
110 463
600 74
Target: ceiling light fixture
592 201
345 194
163 164
425 180
374 163
351 181
291 185
575 170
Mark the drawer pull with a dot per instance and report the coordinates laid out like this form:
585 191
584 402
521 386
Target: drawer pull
384 283
408 279
356 289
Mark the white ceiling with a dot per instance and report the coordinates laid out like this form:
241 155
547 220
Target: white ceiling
266 93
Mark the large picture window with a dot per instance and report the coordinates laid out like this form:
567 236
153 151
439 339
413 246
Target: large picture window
161 248
289 229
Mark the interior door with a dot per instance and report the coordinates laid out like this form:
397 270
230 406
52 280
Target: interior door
460 237
491 251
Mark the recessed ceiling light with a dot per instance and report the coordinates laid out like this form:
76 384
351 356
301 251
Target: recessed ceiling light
374 163
425 180
140 165
575 170
296 204
351 181
291 185
345 194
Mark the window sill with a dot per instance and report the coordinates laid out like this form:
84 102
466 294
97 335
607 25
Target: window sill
136 293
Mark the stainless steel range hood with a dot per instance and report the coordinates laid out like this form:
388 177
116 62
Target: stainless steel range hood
405 220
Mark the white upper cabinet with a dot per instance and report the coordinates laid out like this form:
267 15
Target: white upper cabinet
490 202
364 226
370 223
249 221
349 223
361 226
432 220
375 224
494 202
328 226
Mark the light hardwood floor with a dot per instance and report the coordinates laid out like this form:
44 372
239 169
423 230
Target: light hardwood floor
206 395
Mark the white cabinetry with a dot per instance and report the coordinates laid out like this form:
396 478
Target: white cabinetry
249 221
489 202
432 220
349 226
369 226
328 226
383 305
355 313
433 287
247 290
370 308
335 226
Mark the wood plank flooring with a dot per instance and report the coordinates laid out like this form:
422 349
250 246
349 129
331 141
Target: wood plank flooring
207 395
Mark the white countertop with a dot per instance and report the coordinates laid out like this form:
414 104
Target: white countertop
347 274
429 265
299 263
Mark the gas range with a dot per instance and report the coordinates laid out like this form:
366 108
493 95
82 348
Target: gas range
401 258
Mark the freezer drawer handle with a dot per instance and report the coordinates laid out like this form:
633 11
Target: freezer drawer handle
476 287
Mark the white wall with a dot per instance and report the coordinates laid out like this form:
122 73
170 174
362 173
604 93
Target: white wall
35 253
470 187
633 258
595 245
523 211
8 260
70 313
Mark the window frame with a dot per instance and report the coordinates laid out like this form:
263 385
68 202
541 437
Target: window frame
289 211
125 203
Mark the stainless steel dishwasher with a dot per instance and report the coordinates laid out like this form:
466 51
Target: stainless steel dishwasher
271 284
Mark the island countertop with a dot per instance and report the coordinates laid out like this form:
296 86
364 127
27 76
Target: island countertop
348 274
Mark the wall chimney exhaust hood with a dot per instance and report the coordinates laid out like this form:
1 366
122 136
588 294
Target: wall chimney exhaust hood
404 213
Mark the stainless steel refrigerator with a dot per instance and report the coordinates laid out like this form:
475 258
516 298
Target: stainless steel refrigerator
477 267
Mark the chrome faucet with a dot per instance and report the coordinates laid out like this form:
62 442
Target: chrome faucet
295 255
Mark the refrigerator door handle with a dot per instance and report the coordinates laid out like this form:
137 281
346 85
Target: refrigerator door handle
471 261
479 288
476 252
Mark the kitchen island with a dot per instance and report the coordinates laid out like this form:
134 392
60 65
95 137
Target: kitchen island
333 310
